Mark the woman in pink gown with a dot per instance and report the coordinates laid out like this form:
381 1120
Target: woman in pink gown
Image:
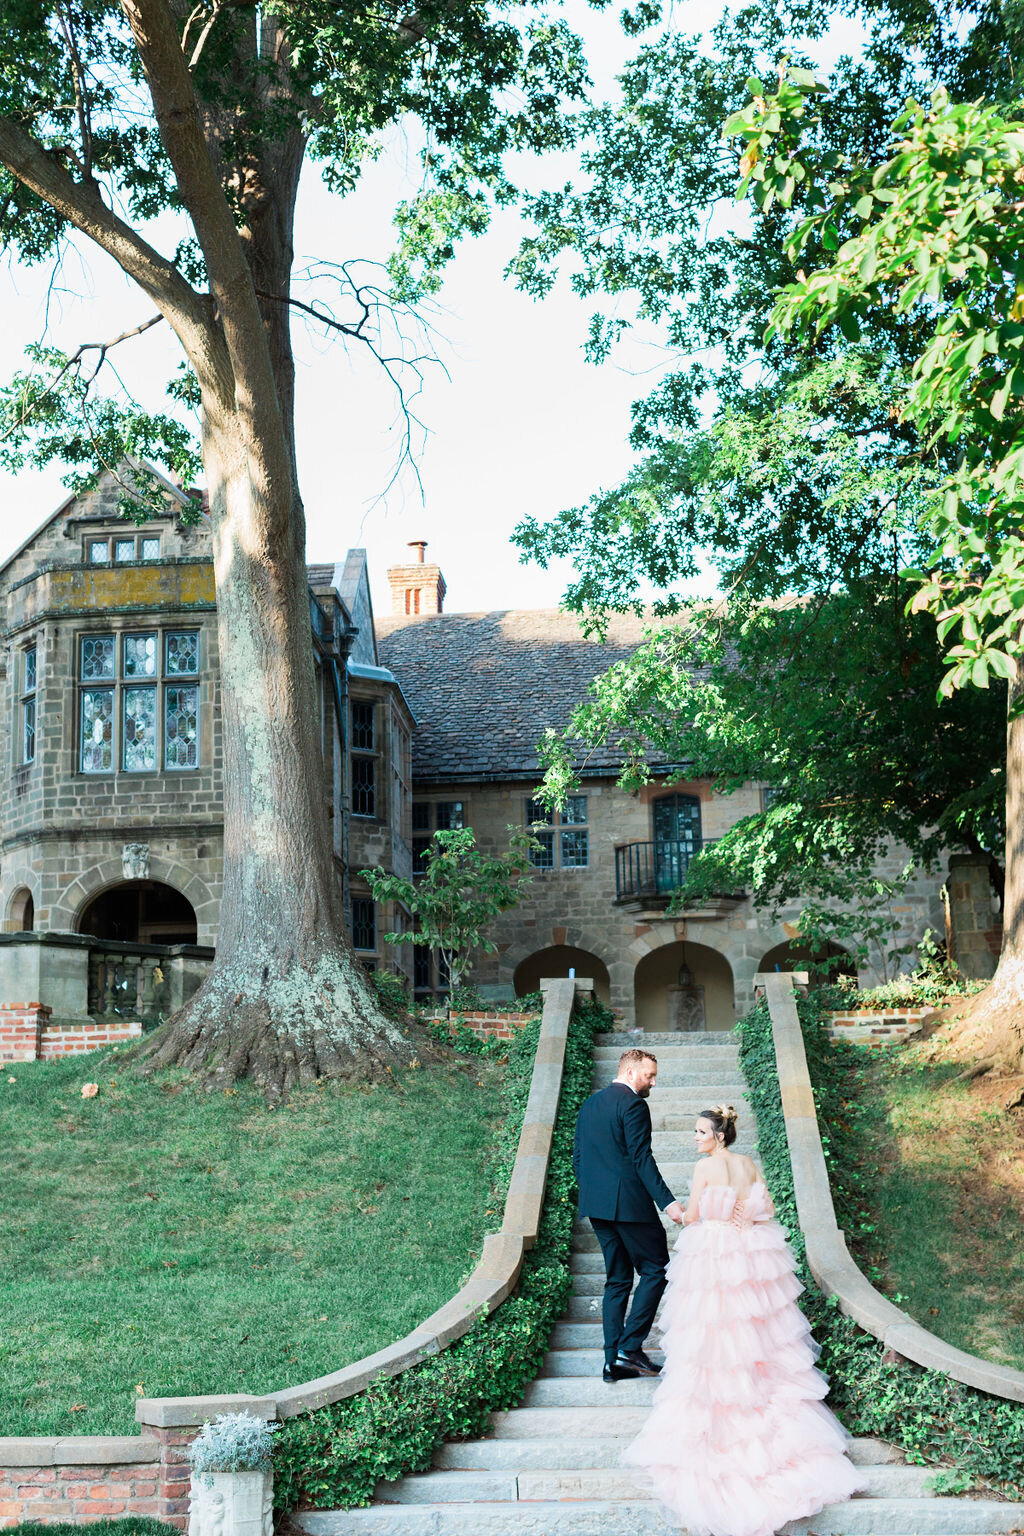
738 1441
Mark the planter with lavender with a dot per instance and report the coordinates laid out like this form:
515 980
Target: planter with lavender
232 1491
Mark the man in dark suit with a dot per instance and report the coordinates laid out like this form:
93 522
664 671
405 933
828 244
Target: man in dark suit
621 1191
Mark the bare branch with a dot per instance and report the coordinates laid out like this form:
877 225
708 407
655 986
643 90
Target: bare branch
102 347
81 95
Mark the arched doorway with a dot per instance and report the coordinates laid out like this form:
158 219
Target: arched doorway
559 960
684 987
800 957
140 912
21 912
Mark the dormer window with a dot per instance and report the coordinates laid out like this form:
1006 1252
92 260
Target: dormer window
122 549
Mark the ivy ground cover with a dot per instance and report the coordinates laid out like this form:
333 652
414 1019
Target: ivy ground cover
158 1240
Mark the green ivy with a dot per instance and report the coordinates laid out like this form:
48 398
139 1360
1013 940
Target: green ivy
931 1417
333 1458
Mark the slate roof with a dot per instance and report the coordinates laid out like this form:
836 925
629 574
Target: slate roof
485 686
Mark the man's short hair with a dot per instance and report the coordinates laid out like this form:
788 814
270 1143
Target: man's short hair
634 1056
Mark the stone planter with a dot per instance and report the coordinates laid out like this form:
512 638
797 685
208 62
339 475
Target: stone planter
231 1504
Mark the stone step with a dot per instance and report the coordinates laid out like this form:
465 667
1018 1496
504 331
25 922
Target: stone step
609 1482
605 1451
587 1391
720 1082
582 1362
613 1417
640 1517
679 1118
672 1056
577 1335
619 1039
678 1146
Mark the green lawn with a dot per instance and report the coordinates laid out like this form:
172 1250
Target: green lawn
159 1240
942 1166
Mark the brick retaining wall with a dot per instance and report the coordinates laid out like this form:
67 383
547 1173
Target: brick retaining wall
91 1477
488 1023
878 1026
27 1034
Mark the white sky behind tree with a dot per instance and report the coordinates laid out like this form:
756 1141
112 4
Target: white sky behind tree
523 424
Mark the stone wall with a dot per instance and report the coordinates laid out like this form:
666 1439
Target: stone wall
632 954
878 1026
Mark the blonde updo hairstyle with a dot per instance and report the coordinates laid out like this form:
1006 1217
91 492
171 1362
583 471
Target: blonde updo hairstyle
723 1122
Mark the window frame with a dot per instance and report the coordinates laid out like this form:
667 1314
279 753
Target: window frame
365 757
112 541
552 830
29 687
426 824
159 682
357 926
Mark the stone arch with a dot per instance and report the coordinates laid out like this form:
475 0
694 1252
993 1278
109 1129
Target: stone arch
140 912
794 955
527 942
558 960
21 911
683 984
107 873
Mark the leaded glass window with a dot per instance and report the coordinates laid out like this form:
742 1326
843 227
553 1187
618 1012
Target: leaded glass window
28 705
97 727
421 815
362 726
97 657
124 550
151 549
563 835
364 924
181 653
139 656
181 726
364 786
575 812
99 551
449 815
575 849
30 670
138 725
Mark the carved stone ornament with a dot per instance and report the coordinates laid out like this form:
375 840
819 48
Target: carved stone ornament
135 861
231 1504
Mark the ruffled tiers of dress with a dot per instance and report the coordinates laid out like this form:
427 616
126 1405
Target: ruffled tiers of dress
739 1441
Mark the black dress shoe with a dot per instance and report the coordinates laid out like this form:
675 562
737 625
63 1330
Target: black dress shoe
617 1372
640 1363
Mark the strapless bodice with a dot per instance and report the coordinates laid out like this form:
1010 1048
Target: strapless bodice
718 1200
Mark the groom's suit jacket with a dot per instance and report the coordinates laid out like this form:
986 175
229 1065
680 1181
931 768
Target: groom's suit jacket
612 1158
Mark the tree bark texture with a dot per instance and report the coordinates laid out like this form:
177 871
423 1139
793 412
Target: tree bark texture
991 1026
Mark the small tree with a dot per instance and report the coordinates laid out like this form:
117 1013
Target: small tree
460 892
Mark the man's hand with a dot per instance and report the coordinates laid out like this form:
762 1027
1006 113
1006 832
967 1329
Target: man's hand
674 1212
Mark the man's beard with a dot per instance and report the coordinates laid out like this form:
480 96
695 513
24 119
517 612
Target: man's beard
643 1093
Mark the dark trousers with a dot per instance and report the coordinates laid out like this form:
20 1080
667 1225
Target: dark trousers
630 1247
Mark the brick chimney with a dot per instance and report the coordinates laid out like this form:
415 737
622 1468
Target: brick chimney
417 588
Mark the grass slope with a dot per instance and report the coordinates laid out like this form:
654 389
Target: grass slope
162 1241
941 1171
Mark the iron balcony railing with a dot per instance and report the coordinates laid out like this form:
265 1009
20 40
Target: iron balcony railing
646 871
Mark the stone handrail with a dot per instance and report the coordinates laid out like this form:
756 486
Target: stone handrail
828 1258
487 1287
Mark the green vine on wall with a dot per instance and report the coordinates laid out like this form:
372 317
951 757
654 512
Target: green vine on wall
333 1457
933 1418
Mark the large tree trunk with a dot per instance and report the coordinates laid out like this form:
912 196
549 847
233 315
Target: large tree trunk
286 1000
991 1026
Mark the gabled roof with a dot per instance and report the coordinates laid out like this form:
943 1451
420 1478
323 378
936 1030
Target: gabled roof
485 686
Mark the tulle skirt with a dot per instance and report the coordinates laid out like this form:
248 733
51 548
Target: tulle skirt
739 1441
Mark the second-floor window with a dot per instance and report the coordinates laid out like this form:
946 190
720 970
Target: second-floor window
122 549
138 701
564 836
364 758
428 817
28 705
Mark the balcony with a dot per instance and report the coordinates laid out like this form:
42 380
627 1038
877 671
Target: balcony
648 873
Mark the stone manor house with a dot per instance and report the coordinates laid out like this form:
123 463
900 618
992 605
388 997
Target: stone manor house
110 829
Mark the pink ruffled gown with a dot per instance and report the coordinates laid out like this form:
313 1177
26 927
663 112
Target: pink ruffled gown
738 1441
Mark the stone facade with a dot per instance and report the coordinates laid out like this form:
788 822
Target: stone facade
110 743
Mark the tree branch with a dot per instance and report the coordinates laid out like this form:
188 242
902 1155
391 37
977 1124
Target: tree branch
102 347
81 206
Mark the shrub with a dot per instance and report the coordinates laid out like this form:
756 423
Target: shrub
333 1457
392 993
933 1418
234 1442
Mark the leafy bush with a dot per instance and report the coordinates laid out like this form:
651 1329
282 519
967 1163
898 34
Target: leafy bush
933 1418
234 1442
392 993
935 979
333 1457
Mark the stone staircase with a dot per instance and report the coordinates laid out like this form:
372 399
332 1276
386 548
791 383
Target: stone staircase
551 1467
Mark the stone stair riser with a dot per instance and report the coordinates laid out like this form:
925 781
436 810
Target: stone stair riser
582 1362
615 1418
571 1454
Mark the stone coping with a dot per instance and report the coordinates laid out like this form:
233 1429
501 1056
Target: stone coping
78 1450
828 1257
62 940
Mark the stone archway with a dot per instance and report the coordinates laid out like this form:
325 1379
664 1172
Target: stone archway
21 912
796 956
559 960
686 986
110 872
139 912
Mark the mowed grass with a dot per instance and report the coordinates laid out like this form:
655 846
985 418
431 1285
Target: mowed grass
157 1240
943 1170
